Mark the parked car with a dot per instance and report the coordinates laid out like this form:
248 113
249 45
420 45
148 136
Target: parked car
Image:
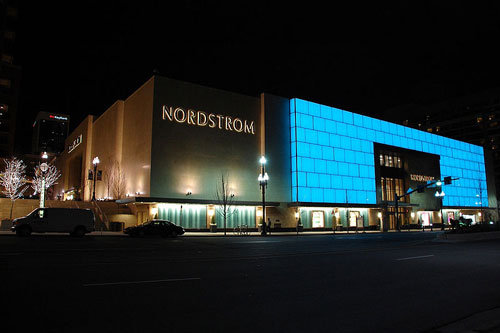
76 222
163 228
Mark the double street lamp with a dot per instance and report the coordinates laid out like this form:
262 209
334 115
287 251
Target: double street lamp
263 178
95 162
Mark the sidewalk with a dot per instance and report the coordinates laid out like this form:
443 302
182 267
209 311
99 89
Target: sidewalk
467 237
214 234
440 236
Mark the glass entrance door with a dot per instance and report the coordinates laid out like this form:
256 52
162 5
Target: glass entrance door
353 215
425 218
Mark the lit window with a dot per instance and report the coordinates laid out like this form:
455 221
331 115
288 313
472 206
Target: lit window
12 12
7 58
5 83
9 35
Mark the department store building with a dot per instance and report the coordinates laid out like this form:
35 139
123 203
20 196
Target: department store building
328 167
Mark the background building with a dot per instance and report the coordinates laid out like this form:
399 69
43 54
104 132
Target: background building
10 76
50 131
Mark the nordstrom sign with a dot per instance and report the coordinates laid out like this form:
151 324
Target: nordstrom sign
212 120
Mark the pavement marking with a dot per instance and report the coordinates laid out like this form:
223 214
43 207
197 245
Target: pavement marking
419 257
138 282
253 242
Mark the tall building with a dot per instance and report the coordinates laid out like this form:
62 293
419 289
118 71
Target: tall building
10 76
49 132
474 118
165 149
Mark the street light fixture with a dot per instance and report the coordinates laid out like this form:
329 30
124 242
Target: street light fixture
440 195
263 178
95 162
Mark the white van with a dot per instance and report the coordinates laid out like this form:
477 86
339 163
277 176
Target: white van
76 222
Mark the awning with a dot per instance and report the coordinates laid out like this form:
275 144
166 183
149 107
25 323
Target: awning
152 200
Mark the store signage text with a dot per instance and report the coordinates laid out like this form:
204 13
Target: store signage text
212 120
57 117
75 143
421 178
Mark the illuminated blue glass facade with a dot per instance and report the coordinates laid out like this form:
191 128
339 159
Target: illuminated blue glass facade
333 160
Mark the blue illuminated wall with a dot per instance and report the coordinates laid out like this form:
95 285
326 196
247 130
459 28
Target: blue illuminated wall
333 159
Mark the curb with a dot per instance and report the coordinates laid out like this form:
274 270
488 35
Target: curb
467 237
486 321
231 234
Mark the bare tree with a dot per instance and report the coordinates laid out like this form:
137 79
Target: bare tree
51 176
225 199
108 177
13 180
117 180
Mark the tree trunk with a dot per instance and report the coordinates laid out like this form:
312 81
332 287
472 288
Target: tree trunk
11 208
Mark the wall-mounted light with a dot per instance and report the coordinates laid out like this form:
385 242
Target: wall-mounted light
154 211
479 214
211 211
412 215
379 215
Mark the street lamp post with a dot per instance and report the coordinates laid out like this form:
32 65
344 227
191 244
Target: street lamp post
43 167
440 195
95 162
263 178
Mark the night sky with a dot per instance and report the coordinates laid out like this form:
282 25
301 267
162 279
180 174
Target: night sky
362 57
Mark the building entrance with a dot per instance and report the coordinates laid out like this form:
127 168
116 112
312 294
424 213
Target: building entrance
402 215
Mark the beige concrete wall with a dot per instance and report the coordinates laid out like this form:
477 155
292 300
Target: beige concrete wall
128 219
24 206
80 155
137 129
122 134
107 141
285 214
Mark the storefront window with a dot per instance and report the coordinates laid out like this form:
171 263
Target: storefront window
389 186
391 160
318 219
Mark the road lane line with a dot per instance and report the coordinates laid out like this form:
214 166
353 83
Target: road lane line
138 282
419 257
263 241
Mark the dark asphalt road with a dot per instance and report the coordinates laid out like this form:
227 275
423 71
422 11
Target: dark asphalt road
347 283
